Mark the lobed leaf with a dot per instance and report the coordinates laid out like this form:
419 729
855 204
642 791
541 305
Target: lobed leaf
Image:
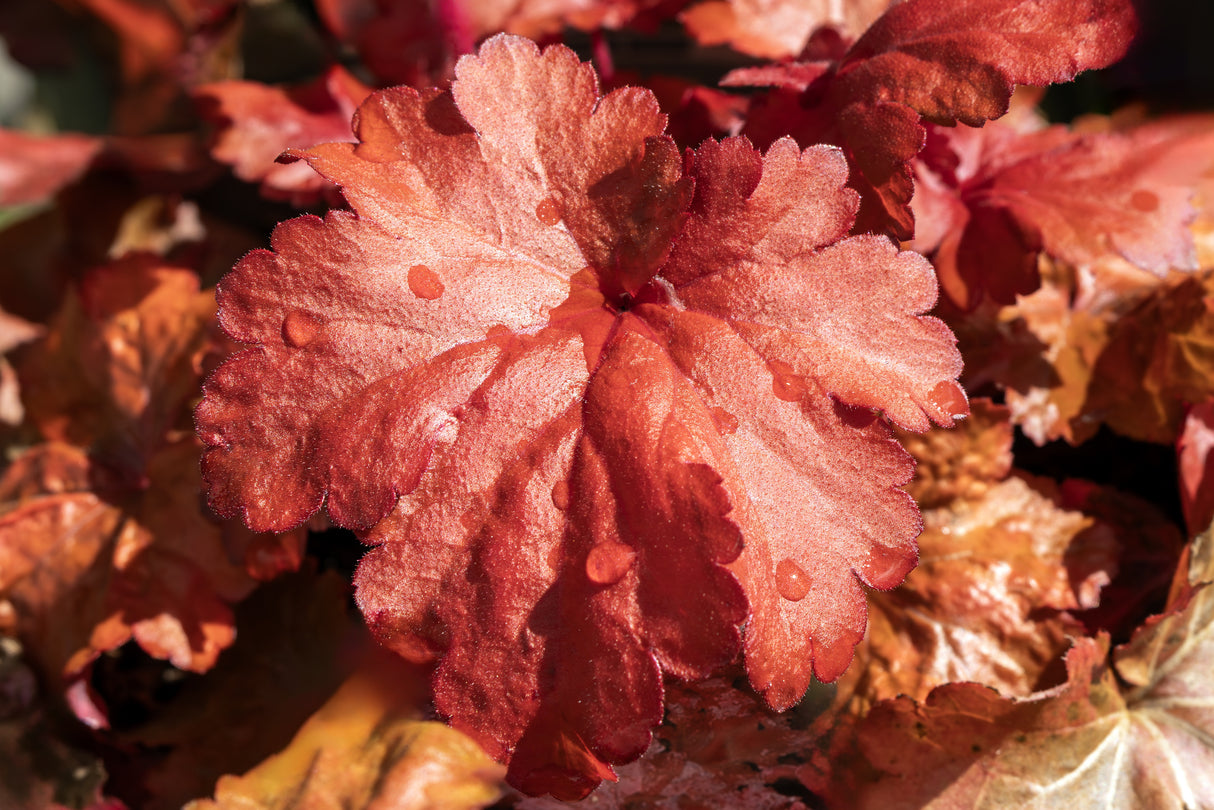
595 406
940 61
1091 740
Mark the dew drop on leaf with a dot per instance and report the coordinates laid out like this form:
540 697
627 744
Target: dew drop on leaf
1145 201
424 282
299 328
549 212
949 398
607 563
784 383
560 495
791 580
726 423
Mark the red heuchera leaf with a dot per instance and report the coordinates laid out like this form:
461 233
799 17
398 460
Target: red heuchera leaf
1077 197
584 376
938 60
776 29
33 168
257 123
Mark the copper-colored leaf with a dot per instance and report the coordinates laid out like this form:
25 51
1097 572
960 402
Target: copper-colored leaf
1158 359
1093 740
86 575
103 538
599 387
987 602
963 462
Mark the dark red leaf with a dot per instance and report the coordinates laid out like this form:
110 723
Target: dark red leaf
940 61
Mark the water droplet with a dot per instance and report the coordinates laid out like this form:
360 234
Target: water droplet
299 328
1145 201
556 556
607 563
560 495
499 333
784 383
424 282
791 580
948 397
725 421
549 212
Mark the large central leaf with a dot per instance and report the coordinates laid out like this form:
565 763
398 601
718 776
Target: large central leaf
596 404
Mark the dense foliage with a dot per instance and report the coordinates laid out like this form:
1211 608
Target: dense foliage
400 411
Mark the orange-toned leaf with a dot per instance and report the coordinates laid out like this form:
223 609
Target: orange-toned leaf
963 462
33 168
776 29
1130 732
631 393
989 600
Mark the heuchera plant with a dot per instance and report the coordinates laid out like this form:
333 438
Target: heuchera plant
646 402
596 403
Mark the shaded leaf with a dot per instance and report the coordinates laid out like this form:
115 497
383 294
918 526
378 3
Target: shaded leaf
298 639
368 748
1197 466
256 123
33 168
718 746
